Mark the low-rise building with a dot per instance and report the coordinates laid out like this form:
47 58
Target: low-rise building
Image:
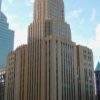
85 73
2 83
16 74
97 75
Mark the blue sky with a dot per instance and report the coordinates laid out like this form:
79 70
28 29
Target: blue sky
82 15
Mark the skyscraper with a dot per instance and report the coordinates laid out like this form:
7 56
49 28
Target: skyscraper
52 62
6 38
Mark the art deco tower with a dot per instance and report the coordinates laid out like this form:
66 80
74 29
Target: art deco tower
52 73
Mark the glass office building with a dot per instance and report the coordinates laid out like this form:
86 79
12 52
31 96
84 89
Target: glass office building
6 38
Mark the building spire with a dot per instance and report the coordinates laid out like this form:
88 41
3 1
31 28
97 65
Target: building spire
0 4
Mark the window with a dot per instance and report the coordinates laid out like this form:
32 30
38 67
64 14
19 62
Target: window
97 83
97 75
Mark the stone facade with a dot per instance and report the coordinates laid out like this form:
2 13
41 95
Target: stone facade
16 74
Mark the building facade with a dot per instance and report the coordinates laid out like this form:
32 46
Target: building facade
51 67
85 73
97 76
2 83
52 54
16 74
6 38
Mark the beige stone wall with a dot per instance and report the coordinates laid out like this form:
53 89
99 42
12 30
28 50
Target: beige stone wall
10 79
52 55
49 9
85 73
16 74
52 64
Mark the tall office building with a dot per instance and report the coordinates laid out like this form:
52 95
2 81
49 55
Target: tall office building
2 83
16 74
97 76
52 54
85 73
6 38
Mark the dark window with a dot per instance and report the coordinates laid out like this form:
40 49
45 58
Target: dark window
97 83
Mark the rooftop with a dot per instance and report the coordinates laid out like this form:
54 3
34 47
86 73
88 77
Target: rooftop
98 67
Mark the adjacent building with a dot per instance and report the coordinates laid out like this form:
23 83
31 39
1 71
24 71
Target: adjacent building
85 73
6 38
2 83
16 74
97 76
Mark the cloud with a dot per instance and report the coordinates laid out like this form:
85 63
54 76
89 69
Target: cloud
29 2
98 33
31 15
74 14
82 21
12 18
19 30
95 44
11 1
20 34
93 15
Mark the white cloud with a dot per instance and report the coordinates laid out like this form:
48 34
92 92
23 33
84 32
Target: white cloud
29 2
82 21
98 34
74 14
11 18
10 1
20 33
95 44
31 15
93 15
